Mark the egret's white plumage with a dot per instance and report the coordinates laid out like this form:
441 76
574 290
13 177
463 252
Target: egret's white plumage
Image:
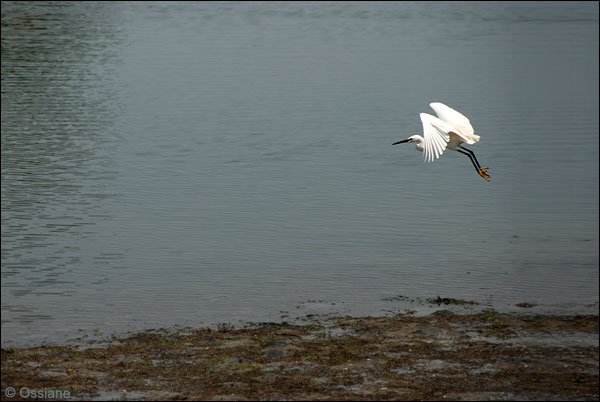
448 130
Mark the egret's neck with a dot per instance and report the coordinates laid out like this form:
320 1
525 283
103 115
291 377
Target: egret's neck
418 140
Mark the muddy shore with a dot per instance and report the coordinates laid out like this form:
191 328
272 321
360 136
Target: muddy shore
443 356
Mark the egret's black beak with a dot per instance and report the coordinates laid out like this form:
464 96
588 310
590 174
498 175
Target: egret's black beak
403 141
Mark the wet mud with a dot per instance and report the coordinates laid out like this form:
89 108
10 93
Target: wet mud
443 356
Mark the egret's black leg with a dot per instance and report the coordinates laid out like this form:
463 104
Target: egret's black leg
472 154
471 158
482 171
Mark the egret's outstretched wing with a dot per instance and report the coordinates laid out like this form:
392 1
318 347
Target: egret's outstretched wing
435 136
462 125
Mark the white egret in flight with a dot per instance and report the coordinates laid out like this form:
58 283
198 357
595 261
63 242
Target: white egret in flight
449 130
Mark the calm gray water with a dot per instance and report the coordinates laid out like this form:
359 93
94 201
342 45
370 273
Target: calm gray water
195 163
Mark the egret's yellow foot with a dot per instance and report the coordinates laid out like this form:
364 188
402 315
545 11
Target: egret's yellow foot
483 173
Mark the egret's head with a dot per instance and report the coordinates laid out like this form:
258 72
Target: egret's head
409 139
416 139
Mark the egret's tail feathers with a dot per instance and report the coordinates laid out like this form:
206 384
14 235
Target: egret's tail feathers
471 139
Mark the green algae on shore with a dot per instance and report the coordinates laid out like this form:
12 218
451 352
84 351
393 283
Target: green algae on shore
488 355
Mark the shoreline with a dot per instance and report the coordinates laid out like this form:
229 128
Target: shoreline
443 355
301 313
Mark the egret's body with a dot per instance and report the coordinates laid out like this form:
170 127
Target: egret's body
447 131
